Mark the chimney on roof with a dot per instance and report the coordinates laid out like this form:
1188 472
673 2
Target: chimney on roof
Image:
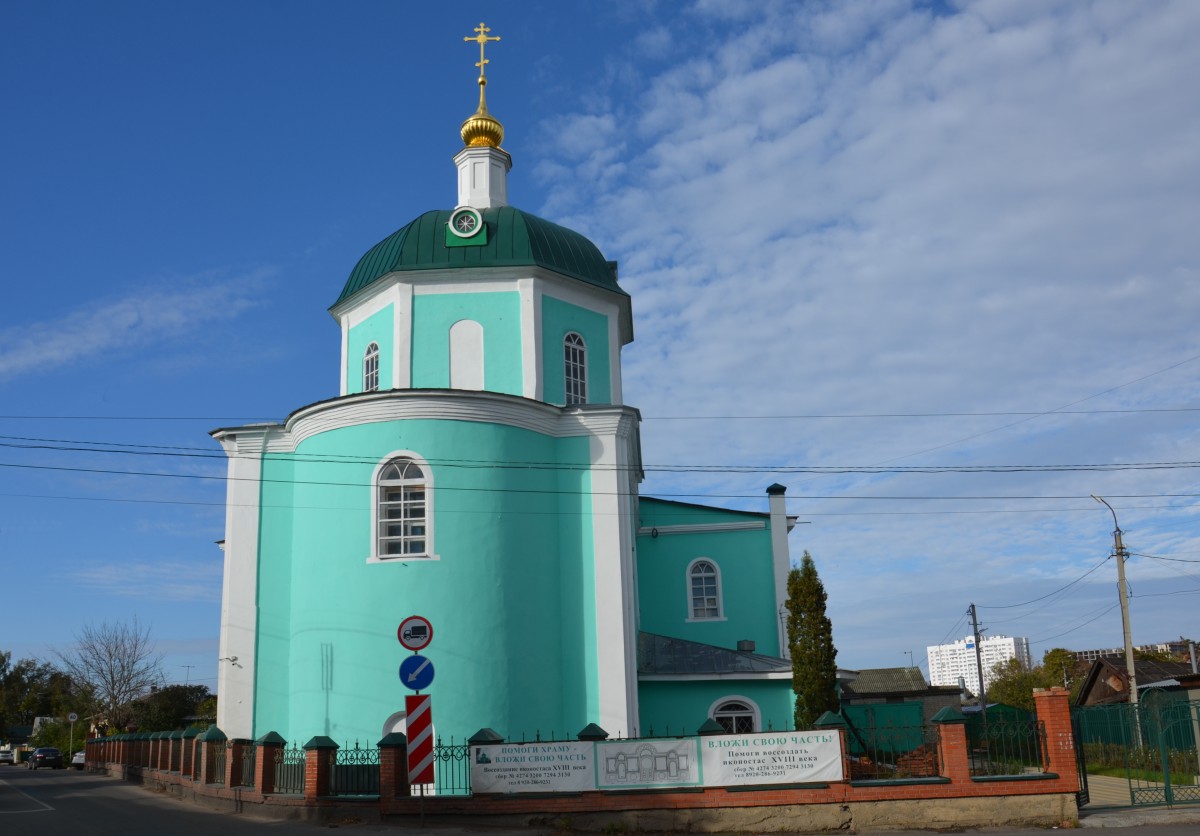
746 645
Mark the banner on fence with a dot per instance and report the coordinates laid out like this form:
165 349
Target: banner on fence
533 767
771 758
717 761
655 762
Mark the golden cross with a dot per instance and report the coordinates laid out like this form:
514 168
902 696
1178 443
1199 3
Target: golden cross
481 38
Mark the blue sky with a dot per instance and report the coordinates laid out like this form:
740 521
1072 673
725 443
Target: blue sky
885 235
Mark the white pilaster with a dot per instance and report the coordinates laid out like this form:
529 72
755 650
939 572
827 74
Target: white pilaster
239 593
483 177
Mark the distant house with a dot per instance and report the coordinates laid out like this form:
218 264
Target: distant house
1107 681
864 689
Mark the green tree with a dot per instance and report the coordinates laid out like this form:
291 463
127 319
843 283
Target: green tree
810 640
1013 683
164 709
29 689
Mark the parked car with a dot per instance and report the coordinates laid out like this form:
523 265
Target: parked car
45 757
80 759
7 756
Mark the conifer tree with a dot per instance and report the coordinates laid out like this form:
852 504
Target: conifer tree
810 639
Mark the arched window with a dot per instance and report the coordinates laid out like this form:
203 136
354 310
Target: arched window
371 369
704 590
737 716
574 369
402 510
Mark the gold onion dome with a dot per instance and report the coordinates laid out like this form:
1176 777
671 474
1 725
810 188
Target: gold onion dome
481 128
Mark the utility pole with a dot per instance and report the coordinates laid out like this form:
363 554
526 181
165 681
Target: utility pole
1122 591
979 665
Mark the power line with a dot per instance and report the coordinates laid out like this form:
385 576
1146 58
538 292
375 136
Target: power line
226 419
1047 595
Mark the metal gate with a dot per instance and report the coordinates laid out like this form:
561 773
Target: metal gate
1155 742
1082 797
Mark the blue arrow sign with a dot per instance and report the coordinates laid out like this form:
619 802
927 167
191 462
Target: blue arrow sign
416 672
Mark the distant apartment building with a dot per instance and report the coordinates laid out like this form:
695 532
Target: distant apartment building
1178 649
948 662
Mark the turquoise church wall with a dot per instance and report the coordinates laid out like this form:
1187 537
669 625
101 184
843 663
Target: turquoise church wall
378 328
559 319
681 707
747 576
513 648
499 314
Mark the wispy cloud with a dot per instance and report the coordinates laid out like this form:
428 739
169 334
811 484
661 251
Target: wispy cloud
169 579
115 326
875 208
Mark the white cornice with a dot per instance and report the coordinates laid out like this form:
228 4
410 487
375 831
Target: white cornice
440 404
711 677
700 528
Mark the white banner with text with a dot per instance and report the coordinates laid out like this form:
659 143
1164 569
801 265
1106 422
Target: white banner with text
714 761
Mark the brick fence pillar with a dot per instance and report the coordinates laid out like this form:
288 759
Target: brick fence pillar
209 741
393 767
175 751
954 758
270 747
319 754
1053 708
187 764
235 751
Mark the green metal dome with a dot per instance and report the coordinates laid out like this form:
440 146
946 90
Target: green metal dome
515 238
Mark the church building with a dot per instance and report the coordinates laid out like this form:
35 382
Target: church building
478 467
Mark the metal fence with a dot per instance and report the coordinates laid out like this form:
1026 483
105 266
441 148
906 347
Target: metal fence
451 768
354 771
219 758
289 770
1154 743
893 752
249 759
1007 747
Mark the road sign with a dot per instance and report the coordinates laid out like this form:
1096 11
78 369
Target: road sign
416 672
415 632
419 728
72 716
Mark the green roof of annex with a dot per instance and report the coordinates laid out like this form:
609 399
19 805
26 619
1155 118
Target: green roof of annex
515 239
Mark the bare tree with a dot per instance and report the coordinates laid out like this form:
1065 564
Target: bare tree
118 663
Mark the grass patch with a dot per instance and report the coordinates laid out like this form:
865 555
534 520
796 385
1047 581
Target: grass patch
1178 779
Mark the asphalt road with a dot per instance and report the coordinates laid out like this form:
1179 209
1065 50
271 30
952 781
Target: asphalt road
72 803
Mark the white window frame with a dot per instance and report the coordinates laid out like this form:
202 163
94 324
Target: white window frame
574 369
691 609
370 381
751 709
427 472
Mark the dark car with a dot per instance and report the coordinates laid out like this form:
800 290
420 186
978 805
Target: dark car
45 757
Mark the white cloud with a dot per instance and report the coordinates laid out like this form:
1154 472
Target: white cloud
165 580
868 208
141 318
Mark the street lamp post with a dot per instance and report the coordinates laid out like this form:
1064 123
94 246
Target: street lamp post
1119 552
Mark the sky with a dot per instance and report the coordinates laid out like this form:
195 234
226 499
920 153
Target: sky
932 266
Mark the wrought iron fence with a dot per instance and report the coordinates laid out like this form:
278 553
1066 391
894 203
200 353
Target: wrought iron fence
893 752
1007 747
249 758
219 758
289 770
451 767
354 771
